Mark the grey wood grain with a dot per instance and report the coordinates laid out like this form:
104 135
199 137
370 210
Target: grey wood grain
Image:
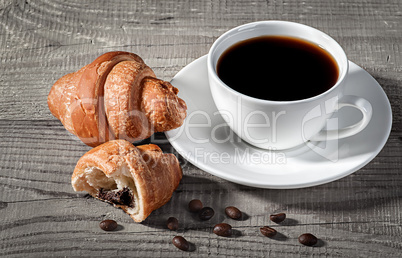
357 216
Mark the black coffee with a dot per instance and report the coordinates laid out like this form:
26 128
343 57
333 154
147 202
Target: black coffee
277 68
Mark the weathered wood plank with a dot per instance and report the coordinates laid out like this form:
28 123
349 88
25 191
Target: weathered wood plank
35 179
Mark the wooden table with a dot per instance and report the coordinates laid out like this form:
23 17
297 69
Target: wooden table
357 216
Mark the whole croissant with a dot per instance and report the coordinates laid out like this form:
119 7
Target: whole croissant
138 179
115 97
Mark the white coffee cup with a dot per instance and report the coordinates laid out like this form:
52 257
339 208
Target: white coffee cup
279 125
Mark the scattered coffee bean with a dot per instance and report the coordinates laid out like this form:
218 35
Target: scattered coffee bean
108 225
206 213
172 223
195 205
233 212
181 243
268 231
278 218
308 239
223 229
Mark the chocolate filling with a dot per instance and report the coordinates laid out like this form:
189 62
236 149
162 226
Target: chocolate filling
122 197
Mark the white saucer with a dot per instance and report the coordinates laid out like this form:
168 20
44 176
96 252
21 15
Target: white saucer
308 165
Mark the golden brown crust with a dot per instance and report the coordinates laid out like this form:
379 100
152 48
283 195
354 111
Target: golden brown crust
155 174
63 98
160 164
163 108
123 101
86 100
88 118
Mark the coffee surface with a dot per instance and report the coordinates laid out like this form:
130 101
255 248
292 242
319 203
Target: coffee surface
278 68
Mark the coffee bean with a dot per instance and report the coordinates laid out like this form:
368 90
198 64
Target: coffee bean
223 229
206 213
278 218
308 239
108 225
181 243
233 212
195 205
268 231
172 223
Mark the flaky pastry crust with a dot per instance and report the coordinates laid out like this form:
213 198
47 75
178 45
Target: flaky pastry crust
113 98
149 174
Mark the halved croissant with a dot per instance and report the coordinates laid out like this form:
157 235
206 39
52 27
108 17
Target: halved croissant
115 97
138 179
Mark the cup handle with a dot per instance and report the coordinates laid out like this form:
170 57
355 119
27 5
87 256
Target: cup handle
348 101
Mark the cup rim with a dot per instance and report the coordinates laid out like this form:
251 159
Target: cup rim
212 70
